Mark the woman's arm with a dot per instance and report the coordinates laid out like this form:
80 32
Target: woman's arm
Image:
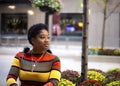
13 72
55 74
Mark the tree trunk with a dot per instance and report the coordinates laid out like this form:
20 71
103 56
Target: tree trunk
84 65
104 25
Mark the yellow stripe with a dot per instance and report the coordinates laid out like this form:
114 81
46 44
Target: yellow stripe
55 74
16 62
10 81
34 76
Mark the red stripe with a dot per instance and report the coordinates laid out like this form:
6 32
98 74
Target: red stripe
11 76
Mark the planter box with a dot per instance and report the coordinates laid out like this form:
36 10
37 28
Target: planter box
103 58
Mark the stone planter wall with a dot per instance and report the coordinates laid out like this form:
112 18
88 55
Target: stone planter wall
103 58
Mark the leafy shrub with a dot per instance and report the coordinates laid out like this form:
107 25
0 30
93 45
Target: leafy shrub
114 83
117 52
65 82
98 75
106 52
71 75
112 75
92 51
99 51
90 83
97 70
95 77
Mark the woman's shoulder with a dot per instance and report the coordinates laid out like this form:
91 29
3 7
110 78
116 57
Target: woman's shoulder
19 54
26 50
51 56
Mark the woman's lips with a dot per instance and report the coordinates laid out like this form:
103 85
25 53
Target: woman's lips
46 45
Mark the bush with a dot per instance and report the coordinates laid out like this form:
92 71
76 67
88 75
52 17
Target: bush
65 82
112 75
114 83
106 52
99 51
97 75
117 52
90 83
71 75
92 51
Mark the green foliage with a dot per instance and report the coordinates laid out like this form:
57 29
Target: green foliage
96 75
114 70
114 83
92 51
112 75
90 83
52 4
65 82
99 51
71 75
117 52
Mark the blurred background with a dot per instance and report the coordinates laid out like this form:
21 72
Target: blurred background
66 31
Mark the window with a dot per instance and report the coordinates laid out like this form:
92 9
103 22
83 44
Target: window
14 23
71 24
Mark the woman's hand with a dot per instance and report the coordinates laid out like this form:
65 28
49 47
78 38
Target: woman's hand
14 84
48 84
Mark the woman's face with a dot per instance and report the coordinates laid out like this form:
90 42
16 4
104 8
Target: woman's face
42 40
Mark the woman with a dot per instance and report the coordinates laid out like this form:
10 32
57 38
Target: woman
35 67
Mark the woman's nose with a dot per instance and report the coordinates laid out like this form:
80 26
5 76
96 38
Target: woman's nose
47 39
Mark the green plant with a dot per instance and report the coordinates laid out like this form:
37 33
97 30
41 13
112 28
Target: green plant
92 51
51 4
71 75
98 75
97 70
114 83
99 51
112 75
106 52
117 52
65 82
90 83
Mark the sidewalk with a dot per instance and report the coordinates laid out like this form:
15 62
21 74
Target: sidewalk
70 57
63 50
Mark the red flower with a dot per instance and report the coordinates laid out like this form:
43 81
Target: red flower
90 83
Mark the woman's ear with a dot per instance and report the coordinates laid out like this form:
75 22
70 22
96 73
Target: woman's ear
33 40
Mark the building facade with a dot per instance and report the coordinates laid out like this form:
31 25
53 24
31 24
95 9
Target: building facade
72 11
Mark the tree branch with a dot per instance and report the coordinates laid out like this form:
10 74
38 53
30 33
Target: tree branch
113 9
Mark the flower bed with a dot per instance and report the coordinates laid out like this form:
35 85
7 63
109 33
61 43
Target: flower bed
99 51
96 77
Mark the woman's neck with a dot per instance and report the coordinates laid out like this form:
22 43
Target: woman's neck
37 51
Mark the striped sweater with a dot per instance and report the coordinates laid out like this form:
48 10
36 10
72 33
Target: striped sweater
47 69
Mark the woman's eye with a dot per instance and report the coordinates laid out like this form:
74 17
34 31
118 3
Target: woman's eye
48 37
42 37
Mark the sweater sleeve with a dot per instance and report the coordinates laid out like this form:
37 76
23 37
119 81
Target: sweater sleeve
13 72
55 75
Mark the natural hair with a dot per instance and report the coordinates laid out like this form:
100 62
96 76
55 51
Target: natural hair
35 29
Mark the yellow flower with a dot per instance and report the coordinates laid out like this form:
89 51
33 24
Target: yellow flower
114 83
94 75
65 82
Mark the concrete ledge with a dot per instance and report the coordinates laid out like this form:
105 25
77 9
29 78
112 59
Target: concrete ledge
102 58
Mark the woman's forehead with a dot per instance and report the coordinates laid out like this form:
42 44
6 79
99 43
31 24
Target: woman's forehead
43 32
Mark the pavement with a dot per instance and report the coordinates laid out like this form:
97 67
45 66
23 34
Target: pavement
69 54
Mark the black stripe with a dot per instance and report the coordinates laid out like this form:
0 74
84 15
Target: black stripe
54 81
29 82
40 66
14 71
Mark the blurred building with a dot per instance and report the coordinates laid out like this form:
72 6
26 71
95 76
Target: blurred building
16 16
